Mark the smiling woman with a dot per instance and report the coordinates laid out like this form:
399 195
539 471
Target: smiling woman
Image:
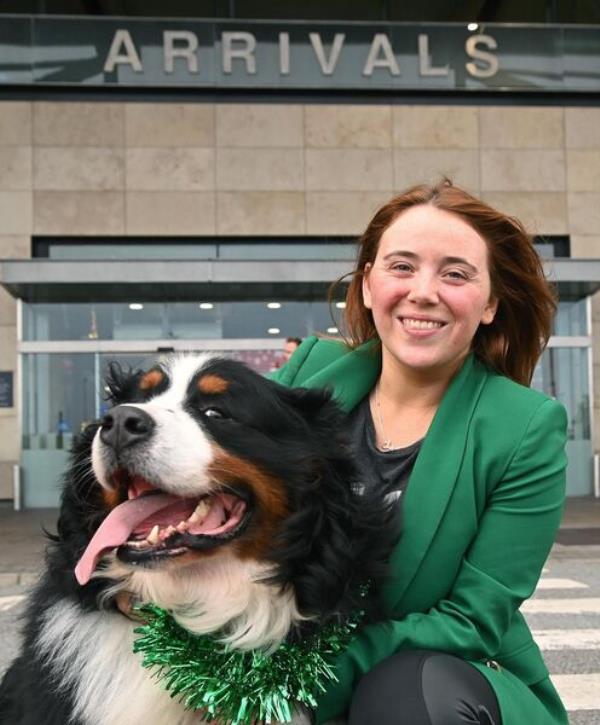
446 316
486 247
425 304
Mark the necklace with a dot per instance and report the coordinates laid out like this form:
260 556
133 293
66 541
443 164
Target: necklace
386 443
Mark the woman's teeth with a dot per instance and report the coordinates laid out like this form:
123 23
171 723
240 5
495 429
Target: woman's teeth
421 324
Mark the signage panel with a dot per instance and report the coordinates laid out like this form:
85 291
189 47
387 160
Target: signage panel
299 55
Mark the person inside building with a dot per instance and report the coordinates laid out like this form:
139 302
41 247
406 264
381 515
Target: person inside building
290 346
447 314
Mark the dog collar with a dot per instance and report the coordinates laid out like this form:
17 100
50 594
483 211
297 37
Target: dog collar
240 687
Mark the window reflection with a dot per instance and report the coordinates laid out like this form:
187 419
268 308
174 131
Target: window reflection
563 373
173 320
571 318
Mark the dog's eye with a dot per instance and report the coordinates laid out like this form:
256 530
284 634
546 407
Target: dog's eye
212 413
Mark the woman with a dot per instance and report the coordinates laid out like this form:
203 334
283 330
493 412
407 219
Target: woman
447 313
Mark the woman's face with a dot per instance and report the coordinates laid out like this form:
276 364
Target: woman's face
429 290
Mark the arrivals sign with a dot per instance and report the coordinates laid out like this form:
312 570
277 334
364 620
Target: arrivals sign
207 54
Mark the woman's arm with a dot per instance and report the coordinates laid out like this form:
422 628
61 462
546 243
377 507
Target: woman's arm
500 569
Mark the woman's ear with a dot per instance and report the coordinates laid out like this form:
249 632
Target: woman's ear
489 311
366 285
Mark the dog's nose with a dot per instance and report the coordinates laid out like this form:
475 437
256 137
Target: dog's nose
125 426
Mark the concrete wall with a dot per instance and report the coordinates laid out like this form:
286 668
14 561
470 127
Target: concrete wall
121 169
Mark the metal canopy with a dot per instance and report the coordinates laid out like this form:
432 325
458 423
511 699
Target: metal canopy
46 280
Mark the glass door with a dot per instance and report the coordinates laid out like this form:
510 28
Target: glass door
564 373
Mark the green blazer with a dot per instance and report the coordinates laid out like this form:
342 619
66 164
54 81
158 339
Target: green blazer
480 514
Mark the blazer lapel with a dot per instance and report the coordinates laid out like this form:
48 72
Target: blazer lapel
434 476
351 376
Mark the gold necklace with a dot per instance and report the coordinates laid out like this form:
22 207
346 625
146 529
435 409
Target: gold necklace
386 444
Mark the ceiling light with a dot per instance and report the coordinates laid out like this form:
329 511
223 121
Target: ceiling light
273 305
340 305
472 26
273 331
136 306
206 305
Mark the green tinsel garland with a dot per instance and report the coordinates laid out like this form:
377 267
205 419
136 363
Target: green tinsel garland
237 686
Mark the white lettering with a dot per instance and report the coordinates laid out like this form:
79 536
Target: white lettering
381 44
327 64
476 70
284 54
244 52
122 51
425 69
187 51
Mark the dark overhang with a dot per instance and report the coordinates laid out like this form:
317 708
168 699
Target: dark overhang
44 280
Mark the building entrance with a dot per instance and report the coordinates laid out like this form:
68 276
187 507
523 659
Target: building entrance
63 390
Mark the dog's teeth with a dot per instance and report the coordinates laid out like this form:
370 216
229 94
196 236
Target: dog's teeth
200 511
165 533
138 544
152 537
182 526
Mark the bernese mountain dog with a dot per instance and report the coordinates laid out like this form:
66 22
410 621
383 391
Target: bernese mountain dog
225 498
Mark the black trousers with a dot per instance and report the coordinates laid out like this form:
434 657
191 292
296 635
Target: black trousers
421 687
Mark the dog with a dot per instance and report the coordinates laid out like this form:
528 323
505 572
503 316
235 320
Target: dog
228 500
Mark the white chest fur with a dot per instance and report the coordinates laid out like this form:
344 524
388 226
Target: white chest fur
92 655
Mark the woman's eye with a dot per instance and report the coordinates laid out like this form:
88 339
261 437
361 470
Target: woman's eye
212 413
457 275
401 267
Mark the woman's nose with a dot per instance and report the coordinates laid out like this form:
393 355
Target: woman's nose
423 288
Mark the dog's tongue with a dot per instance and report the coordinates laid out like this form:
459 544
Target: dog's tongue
116 528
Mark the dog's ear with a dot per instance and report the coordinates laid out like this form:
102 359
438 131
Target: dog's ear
315 405
123 384
309 402
342 528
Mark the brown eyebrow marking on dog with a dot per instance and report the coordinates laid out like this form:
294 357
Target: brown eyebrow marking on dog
151 379
212 384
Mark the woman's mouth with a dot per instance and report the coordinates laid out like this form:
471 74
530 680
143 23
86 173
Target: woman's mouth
421 325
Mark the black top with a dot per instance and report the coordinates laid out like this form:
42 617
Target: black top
391 468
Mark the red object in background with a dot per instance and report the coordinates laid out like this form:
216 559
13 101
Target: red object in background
263 361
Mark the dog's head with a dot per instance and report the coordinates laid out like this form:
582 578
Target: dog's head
202 462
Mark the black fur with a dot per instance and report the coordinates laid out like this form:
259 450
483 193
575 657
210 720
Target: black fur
337 537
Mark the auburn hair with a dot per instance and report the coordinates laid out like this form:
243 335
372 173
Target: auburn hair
513 343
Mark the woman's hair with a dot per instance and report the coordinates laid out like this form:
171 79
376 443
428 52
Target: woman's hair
514 341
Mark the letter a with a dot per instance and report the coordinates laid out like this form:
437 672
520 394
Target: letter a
381 43
122 51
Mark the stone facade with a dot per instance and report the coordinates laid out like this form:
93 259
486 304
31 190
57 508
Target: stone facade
119 169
